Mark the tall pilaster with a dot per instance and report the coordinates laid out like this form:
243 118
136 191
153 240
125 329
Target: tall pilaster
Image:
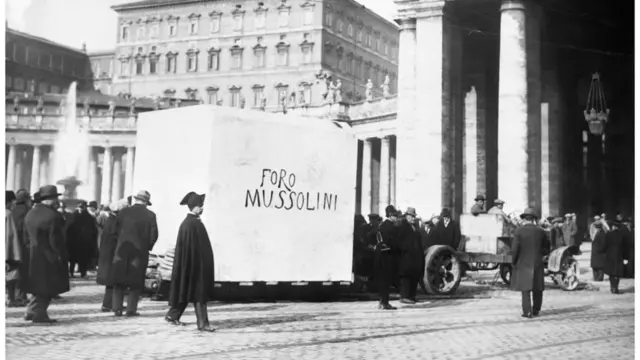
470 149
116 190
51 160
534 98
92 178
366 177
19 168
44 167
513 186
106 176
11 168
128 184
392 173
385 156
406 182
35 170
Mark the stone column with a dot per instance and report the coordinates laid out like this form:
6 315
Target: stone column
392 174
534 99
545 206
20 160
405 113
116 190
106 176
385 156
35 170
11 168
44 168
513 186
470 137
92 178
51 160
365 202
128 184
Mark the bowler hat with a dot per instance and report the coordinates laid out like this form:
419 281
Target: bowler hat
48 192
528 212
498 202
37 197
445 212
479 198
389 210
9 196
411 211
143 195
22 196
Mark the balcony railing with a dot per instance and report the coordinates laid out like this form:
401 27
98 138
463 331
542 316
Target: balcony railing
56 122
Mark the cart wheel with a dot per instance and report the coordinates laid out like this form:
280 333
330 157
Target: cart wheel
568 279
505 273
442 270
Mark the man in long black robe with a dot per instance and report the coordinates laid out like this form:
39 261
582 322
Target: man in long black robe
82 239
192 278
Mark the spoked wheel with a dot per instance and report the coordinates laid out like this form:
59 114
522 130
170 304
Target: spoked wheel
442 270
505 273
568 278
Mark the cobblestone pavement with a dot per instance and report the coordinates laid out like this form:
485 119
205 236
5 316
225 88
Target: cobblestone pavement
483 322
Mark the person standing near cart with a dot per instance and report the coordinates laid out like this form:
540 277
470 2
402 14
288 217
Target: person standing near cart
192 277
384 252
411 257
528 247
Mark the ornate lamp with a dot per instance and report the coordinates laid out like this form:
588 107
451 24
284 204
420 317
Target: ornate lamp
596 112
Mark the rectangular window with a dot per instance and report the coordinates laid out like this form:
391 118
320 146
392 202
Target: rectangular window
124 68
306 55
171 64
214 61
192 62
193 28
238 22
258 94
282 95
283 57
141 33
139 66
21 54
260 58
308 16
18 84
261 20
154 31
7 81
153 66
124 33
55 89
328 19
236 60
173 29
235 99
215 24
213 97
43 88
307 94
283 18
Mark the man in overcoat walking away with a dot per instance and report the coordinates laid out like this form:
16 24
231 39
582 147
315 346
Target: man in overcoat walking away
107 251
136 229
82 239
598 254
528 247
411 257
192 277
13 252
19 212
47 275
615 248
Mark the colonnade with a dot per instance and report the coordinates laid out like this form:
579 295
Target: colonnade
377 186
106 171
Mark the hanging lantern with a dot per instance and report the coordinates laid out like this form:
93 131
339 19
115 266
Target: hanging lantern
596 112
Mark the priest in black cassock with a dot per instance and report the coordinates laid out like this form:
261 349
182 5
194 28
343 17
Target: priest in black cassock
192 279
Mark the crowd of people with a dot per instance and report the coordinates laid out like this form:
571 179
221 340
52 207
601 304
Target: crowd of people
392 251
46 239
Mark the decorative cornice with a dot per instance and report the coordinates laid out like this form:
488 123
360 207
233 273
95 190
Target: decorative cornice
307 43
308 4
238 11
236 49
126 22
284 6
173 18
259 47
215 13
212 88
280 85
257 86
282 45
260 8
194 16
235 88
213 50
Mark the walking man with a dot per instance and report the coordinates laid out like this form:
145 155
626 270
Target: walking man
598 254
411 257
384 250
192 277
528 247
615 249
136 229
47 273
82 239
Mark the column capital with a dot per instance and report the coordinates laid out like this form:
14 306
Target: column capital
513 5
406 23
386 138
429 8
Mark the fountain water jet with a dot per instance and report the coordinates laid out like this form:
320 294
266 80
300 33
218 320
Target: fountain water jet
70 152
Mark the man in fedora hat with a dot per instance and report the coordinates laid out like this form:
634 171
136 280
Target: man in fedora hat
411 257
478 207
82 239
192 277
385 250
447 230
136 229
527 249
615 249
47 272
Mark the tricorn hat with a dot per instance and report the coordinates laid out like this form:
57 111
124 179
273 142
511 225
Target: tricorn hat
411 211
528 212
479 198
143 195
498 201
9 196
48 192
192 200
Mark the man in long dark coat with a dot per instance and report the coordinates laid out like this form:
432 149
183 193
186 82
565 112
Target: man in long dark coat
107 251
411 257
447 231
615 248
47 274
82 239
384 252
136 229
598 254
192 277
528 247
13 252
19 212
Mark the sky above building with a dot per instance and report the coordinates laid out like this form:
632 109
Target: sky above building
74 22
